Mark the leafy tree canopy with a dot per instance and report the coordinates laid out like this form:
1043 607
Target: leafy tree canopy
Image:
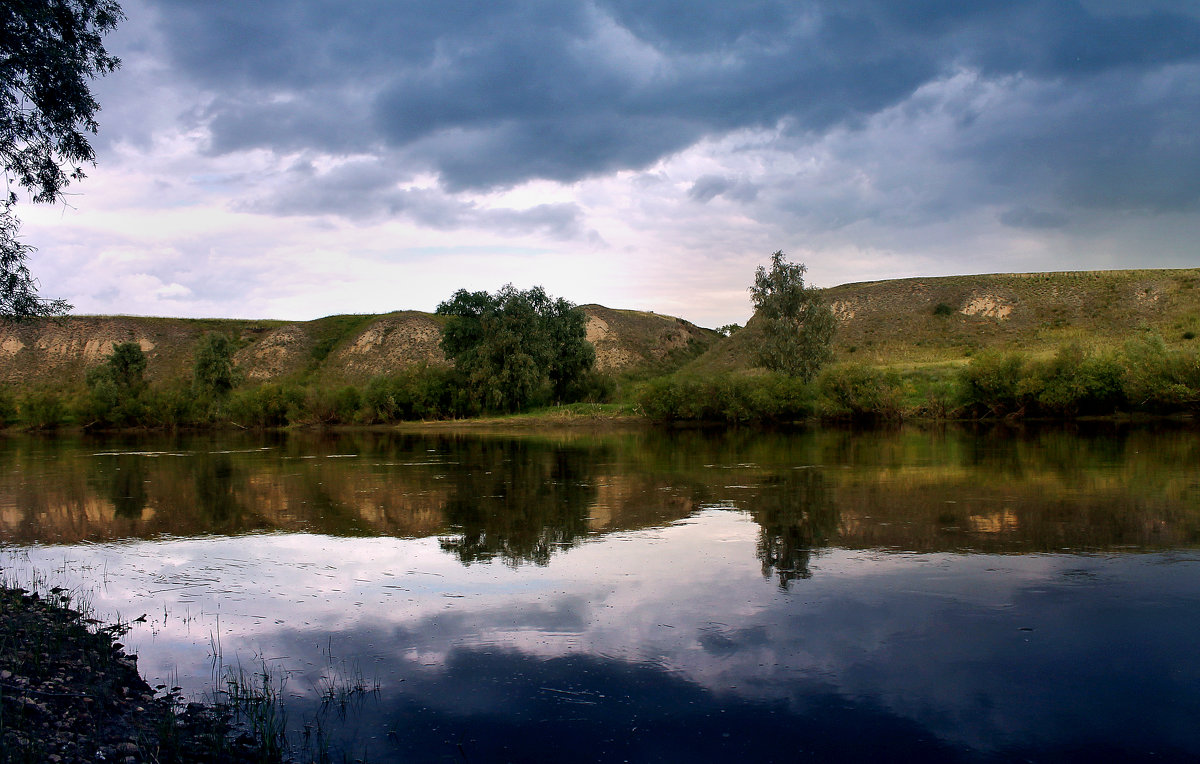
515 347
797 325
116 386
213 371
50 50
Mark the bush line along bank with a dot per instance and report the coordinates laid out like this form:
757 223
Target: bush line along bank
1144 376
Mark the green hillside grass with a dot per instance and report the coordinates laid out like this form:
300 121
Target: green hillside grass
898 324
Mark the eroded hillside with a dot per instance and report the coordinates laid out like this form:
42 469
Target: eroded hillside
353 348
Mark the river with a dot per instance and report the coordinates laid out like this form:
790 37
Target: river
912 594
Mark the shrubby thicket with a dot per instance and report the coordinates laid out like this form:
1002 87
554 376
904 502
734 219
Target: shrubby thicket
1142 377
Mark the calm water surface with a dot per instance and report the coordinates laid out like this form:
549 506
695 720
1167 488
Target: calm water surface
818 595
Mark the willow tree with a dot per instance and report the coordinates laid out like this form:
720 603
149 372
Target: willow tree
797 324
516 348
50 51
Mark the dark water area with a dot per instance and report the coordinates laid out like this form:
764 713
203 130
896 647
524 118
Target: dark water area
821 595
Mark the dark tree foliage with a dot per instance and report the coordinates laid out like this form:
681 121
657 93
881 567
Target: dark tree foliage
797 325
515 348
116 386
50 50
18 289
125 367
213 371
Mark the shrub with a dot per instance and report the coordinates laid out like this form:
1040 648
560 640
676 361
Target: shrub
174 406
42 410
8 406
331 406
858 391
942 309
269 405
991 384
591 387
379 401
730 398
1159 379
1074 383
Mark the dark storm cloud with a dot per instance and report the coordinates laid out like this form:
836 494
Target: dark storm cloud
1098 107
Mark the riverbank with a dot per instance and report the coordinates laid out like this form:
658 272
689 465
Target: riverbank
70 693
601 416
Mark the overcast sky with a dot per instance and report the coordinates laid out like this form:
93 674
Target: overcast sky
299 158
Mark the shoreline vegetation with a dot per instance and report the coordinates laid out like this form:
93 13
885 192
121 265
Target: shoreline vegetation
70 693
1143 378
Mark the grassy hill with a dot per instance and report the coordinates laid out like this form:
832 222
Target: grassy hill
919 323
936 321
57 353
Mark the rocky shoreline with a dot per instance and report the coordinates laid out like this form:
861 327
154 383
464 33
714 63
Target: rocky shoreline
70 693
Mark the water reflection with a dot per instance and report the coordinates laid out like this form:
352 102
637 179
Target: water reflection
830 595
796 515
667 641
123 481
519 499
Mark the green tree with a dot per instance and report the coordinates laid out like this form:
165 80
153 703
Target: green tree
797 324
515 348
50 50
116 386
213 370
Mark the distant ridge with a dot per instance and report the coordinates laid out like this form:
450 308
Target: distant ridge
336 349
901 321
949 318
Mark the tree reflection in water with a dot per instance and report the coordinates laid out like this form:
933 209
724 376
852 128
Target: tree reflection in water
123 480
518 500
216 490
796 515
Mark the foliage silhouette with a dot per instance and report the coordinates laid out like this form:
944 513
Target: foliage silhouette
50 50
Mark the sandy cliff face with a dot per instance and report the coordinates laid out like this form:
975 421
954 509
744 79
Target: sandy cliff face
627 339
59 352
280 352
389 344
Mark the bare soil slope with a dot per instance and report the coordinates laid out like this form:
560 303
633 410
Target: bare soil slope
349 348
